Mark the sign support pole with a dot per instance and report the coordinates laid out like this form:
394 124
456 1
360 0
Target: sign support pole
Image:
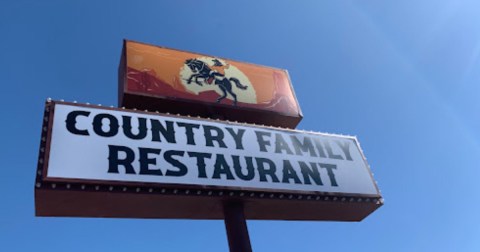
236 225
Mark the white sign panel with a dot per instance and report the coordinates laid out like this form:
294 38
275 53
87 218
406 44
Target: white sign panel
111 145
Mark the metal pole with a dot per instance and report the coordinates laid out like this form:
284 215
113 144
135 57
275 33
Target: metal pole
237 232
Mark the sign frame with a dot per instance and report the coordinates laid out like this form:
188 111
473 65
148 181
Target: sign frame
99 198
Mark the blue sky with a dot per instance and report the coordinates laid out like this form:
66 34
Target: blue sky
403 76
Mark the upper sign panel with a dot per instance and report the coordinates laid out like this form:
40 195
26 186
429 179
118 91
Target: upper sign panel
168 80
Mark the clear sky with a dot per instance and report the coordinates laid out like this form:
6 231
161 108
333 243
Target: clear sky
403 76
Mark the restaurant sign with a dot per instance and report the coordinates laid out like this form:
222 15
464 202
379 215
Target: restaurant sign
104 146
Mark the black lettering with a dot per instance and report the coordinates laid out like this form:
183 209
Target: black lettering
210 137
114 160
98 122
237 136
72 121
221 167
263 172
319 146
281 144
238 168
146 161
330 152
345 146
127 128
189 131
308 173
289 173
330 173
262 143
167 132
182 168
200 162
300 147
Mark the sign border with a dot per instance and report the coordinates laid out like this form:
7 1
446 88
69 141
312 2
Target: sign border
44 184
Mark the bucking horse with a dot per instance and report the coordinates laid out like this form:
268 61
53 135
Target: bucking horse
201 70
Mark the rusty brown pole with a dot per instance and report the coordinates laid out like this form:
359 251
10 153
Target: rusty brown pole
236 225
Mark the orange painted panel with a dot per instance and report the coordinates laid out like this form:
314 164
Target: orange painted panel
211 81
